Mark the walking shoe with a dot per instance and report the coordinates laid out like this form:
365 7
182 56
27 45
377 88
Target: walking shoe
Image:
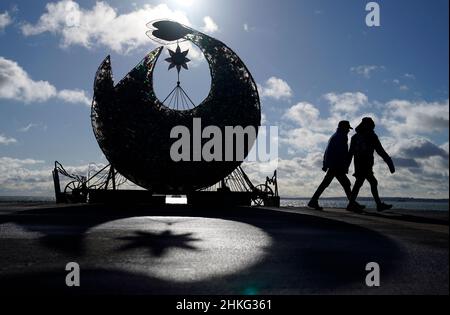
360 206
383 206
314 204
353 207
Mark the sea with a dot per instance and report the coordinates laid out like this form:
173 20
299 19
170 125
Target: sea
398 203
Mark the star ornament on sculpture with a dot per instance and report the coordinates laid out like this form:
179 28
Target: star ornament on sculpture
178 59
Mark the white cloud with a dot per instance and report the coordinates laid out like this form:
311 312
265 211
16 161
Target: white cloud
5 20
401 86
403 117
302 113
263 119
24 176
74 96
248 28
6 141
32 126
421 158
435 165
303 139
28 127
366 70
34 177
16 84
15 163
210 26
311 129
275 88
414 147
346 102
102 25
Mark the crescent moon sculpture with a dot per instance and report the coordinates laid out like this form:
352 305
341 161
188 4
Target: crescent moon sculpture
133 127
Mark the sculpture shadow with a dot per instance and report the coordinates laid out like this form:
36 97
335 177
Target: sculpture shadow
158 243
307 254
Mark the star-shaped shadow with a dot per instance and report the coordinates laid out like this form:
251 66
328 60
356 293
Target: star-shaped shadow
178 59
158 243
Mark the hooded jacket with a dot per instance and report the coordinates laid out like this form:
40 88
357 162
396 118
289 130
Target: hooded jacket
363 145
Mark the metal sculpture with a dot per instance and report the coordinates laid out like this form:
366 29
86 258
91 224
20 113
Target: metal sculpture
133 127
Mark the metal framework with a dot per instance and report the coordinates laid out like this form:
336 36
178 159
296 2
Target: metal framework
238 181
77 187
133 127
178 99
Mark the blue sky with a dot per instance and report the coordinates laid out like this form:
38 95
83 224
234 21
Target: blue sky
315 62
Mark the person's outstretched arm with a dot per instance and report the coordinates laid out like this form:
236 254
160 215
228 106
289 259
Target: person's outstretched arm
381 152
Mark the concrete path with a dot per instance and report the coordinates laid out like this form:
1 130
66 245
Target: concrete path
139 250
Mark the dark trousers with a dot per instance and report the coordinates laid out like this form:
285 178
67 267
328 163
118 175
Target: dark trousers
331 174
373 187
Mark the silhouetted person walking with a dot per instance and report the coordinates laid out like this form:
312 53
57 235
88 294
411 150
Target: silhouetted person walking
335 162
363 145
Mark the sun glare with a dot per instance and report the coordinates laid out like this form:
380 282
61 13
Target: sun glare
187 3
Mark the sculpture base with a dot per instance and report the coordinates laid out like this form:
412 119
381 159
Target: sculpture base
196 199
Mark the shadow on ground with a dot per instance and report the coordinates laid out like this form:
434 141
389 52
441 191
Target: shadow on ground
307 254
442 220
